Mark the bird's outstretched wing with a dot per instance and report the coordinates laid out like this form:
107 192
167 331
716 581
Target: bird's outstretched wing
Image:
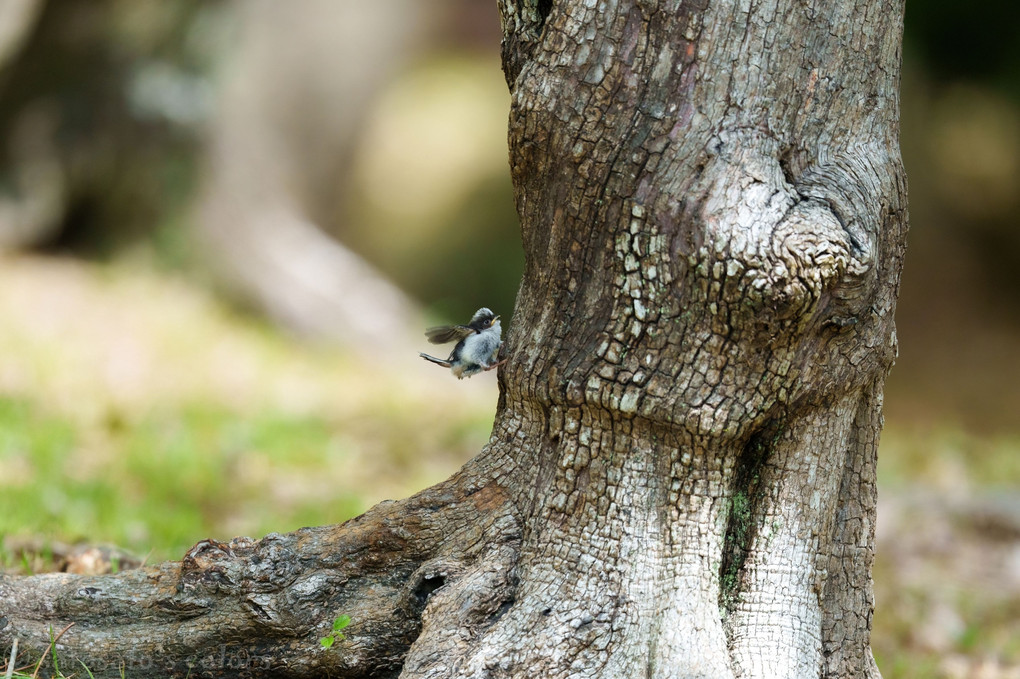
443 334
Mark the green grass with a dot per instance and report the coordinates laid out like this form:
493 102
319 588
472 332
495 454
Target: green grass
137 410
164 479
167 479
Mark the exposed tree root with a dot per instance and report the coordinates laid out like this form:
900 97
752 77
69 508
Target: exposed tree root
248 606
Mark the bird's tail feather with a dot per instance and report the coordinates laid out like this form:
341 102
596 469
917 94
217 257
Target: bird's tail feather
437 361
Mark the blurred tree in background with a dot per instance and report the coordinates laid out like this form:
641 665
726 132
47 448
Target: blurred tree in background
101 104
959 315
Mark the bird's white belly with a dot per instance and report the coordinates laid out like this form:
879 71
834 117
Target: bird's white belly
481 347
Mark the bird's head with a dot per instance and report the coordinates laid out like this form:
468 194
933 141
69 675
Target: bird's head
483 318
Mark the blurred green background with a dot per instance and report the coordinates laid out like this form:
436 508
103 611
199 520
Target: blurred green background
224 225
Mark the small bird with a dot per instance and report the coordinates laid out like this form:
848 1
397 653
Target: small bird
477 347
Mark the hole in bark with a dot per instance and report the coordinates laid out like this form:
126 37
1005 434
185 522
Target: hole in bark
784 165
547 611
544 7
840 324
427 586
741 526
256 610
503 608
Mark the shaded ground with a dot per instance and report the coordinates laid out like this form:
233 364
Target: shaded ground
947 582
136 410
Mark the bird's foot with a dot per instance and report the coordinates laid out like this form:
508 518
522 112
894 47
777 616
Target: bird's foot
495 365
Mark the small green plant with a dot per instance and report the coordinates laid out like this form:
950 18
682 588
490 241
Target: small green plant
339 623
53 649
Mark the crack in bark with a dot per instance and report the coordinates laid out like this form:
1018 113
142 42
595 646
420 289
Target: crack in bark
741 525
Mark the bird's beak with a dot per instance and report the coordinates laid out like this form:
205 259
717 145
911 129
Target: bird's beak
494 320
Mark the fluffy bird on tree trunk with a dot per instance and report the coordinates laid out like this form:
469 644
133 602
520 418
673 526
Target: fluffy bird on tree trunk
477 347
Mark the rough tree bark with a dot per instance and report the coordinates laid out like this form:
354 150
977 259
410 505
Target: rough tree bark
680 480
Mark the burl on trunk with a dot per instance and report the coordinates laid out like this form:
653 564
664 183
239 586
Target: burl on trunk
680 480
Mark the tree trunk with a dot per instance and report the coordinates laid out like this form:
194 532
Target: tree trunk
681 476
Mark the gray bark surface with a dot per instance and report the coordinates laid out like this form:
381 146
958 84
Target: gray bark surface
680 481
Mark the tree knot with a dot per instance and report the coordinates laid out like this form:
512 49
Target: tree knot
775 253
